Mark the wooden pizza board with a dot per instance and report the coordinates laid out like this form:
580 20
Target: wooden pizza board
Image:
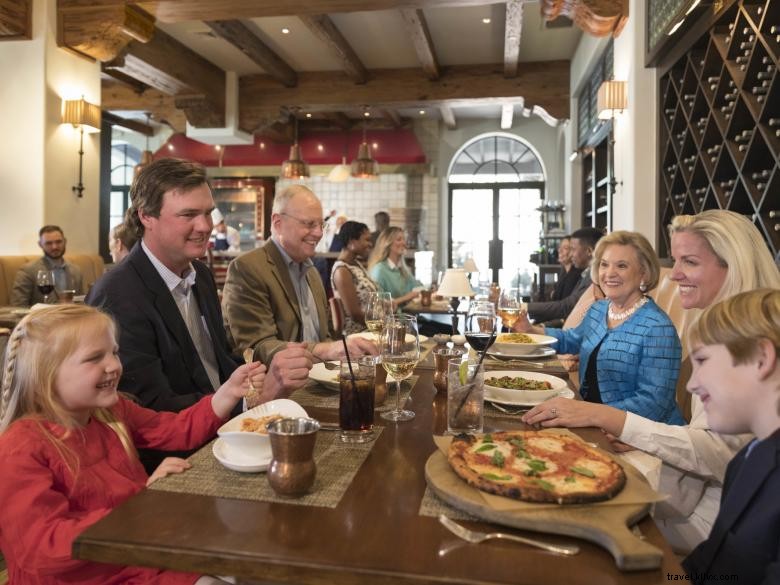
603 523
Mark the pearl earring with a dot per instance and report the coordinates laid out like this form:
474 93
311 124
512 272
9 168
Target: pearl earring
642 286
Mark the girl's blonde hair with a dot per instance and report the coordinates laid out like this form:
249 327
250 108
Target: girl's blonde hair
739 323
37 347
381 250
738 245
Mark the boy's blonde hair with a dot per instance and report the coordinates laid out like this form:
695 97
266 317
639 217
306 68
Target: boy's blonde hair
38 346
739 323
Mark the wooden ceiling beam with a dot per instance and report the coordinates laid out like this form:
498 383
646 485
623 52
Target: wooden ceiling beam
133 125
15 19
513 28
448 117
240 36
187 10
417 31
539 83
167 65
117 96
507 113
102 32
323 28
340 120
130 82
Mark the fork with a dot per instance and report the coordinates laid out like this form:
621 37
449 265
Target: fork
508 411
475 537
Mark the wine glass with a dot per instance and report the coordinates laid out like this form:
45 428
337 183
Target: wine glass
44 280
378 306
400 351
510 306
481 325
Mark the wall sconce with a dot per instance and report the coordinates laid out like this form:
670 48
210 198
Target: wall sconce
611 99
80 113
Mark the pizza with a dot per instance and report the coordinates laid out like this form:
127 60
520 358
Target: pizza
536 466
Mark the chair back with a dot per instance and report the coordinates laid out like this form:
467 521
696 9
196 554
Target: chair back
337 314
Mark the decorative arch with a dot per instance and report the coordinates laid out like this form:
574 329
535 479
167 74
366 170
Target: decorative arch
496 157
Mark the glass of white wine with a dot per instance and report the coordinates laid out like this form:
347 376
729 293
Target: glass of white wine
510 306
400 351
378 307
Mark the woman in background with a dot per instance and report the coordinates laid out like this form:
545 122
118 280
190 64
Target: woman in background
388 268
349 279
121 240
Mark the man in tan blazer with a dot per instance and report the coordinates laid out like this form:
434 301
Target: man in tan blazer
274 295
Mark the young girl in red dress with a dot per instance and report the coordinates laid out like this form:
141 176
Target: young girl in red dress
68 444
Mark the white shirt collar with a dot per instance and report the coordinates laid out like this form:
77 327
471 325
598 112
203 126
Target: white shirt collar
171 279
392 264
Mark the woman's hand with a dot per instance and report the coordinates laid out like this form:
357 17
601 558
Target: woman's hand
565 412
523 325
169 465
237 386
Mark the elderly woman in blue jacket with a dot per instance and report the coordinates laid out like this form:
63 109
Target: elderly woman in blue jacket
629 349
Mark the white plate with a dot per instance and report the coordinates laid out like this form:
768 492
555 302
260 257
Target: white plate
236 460
328 378
375 338
518 349
20 312
567 393
557 384
540 352
251 452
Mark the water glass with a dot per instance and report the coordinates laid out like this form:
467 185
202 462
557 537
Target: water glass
356 401
465 398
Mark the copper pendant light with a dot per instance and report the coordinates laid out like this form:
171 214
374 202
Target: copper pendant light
364 167
295 167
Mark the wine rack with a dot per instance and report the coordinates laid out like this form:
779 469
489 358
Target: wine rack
719 135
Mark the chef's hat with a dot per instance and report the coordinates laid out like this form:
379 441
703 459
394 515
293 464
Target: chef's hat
216 216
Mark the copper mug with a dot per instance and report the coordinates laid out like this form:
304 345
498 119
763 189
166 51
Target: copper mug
292 469
440 358
425 298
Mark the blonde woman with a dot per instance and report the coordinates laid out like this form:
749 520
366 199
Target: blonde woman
68 444
717 254
387 267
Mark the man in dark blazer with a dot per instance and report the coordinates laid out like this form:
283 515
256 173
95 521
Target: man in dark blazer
172 343
583 242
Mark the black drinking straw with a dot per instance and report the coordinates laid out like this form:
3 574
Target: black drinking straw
349 362
476 371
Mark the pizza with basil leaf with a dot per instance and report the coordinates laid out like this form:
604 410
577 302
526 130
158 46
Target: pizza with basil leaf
536 466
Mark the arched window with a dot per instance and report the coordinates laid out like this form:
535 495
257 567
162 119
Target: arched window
496 186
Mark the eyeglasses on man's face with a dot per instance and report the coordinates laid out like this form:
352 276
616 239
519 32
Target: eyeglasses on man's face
311 225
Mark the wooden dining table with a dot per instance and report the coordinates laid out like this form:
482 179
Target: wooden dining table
375 534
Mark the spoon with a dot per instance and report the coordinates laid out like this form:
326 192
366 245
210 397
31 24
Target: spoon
249 355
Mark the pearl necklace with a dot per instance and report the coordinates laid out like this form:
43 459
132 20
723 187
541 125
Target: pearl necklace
628 312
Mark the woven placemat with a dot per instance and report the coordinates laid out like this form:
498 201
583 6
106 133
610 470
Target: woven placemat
318 396
337 463
432 505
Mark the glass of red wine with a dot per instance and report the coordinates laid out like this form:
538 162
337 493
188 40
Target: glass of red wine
44 280
481 325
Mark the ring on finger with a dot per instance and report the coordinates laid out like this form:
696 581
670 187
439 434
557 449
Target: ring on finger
554 412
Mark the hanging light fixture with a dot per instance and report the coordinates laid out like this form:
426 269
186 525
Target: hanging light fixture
364 166
295 167
146 155
341 173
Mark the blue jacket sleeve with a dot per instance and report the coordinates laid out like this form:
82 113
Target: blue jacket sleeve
656 377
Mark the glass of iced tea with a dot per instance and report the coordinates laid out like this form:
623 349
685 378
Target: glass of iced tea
356 401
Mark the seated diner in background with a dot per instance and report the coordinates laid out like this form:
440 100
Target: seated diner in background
69 444
351 283
64 275
387 267
734 347
629 349
717 254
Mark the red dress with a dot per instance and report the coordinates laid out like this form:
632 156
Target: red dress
43 508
